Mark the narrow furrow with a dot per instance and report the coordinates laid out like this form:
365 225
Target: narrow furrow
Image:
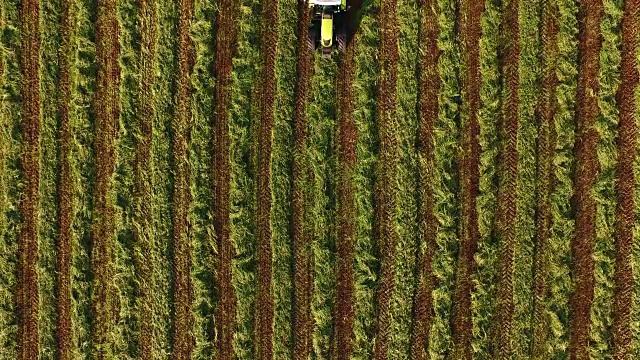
265 303
545 147
428 89
182 336
103 292
224 44
484 277
143 187
508 177
470 28
302 286
386 234
626 181
345 242
590 42
27 291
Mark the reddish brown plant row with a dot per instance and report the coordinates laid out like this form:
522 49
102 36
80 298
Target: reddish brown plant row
142 177
347 137
63 261
429 86
27 292
546 145
506 212
590 42
627 143
302 287
385 191
265 306
471 11
224 44
103 228
183 341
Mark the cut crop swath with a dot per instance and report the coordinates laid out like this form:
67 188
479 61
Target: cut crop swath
281 179
302 285
405 132
364 86
483 304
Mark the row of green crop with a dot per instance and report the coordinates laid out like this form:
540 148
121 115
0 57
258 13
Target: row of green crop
243 128
322 112
49 168
10 175
407 170
446 184
604 191
281 180
635 309
365 262
484 278
200 215
529 69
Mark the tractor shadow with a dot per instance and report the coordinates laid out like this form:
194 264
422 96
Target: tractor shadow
353 19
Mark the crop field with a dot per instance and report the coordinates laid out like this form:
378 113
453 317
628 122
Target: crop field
187 179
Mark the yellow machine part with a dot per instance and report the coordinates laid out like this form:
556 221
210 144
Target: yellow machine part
326 31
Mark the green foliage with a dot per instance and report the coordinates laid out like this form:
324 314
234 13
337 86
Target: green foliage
161 176
446 139
201 234
366 272
486 259
406 175
529 68
9 174
49 169
281 182
321 202
82 75
603 190
243 139
635 257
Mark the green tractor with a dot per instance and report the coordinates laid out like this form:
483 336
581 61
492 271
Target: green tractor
328 26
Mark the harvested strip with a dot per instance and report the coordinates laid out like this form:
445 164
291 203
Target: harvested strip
183 341
27 300
428 88
469 178
225 40
301 242
345 246
143 232
625 214
590 42
385 201
265 304
65 196
506 211
103 227
546 145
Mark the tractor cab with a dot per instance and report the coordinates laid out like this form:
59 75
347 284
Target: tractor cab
328 25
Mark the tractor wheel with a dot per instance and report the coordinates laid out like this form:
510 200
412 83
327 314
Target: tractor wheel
311 38
341 38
